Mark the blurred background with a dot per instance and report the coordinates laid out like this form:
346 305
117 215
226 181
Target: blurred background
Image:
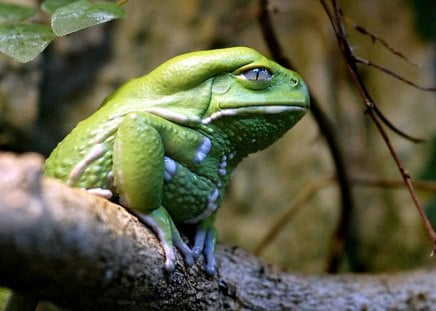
41 101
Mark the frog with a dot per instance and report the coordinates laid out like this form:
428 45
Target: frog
165 145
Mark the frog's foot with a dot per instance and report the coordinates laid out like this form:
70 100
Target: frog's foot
162 224
205 240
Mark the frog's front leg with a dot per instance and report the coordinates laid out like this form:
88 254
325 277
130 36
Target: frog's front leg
162 224
138 172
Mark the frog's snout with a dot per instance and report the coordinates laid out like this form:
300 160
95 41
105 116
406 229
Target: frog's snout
300 90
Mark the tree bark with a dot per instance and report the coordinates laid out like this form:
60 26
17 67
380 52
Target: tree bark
84 253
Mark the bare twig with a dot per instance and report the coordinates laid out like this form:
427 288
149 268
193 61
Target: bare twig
270 37
335 16
392 127
305 195
422 185
315 186
326 128
376 38
122 2
393 74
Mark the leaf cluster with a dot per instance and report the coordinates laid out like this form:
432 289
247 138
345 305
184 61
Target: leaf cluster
23 37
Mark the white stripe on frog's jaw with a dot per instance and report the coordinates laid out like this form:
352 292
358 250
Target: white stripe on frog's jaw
273 109
219 114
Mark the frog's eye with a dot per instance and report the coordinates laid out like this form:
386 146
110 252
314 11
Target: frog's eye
256 78
257 74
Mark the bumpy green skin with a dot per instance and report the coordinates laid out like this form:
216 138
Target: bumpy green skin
165 144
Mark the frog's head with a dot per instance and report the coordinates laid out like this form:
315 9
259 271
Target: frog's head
235 90
256 102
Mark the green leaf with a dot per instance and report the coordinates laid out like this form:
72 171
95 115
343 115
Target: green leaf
24 41
50 6
83 14
14 12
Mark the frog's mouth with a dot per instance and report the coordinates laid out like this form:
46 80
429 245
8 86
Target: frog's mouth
257 110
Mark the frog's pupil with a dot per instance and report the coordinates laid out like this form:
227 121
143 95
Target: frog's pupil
258 74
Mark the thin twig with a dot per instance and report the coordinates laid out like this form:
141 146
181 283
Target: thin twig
335 16
422 185
393 128
270 36
341 36
376 38
305 195
393 74
326 128
317 185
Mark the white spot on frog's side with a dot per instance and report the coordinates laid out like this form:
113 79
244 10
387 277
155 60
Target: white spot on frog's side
104 193
203 150
211 207
222 170
96 151
170 169
232 155
213 196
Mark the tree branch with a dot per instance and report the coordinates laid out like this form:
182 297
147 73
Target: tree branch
83 252
334 14
341 236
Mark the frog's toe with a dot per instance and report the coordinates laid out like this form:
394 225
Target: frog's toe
183 248
200 237
170 257
205 240
209 251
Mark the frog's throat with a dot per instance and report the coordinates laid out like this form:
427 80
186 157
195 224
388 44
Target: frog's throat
273 109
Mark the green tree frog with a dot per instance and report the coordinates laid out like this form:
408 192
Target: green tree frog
165 144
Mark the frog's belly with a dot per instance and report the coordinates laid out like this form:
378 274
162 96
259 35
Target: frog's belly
189 197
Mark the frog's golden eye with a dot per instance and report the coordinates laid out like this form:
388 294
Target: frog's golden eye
258 78
257 74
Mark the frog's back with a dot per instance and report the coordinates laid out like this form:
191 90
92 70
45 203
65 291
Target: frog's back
85 154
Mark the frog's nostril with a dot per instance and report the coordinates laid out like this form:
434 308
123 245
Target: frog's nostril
294 81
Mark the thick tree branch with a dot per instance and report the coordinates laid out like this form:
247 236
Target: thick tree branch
82 252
